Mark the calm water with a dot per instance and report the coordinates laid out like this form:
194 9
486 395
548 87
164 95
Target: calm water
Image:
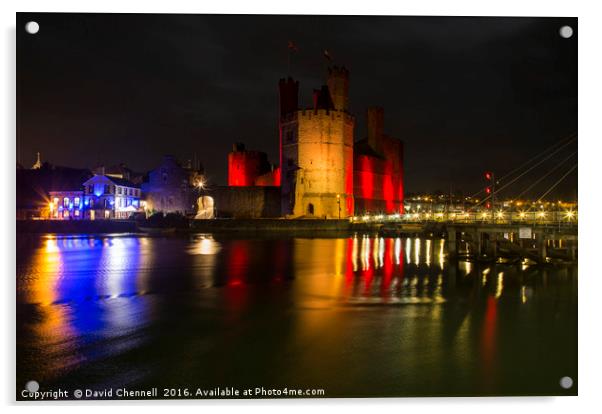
353 316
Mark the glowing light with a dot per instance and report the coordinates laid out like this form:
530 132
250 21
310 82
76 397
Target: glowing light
397 250
205 246
541 214
500 214
569 215
522 214
354 253
484 279
523 295
381 251
500 285
484 215
417 251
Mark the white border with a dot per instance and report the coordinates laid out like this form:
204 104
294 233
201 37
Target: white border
590 98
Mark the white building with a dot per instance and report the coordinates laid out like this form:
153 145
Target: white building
110 198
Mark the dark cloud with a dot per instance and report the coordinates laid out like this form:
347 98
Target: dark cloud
465 94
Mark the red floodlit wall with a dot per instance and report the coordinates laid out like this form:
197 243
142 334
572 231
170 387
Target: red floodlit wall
378 182
244 167
270 179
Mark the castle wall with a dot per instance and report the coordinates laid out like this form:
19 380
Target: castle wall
317 164
245 202
244 167
378 181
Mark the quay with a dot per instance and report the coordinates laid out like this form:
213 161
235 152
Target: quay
477 240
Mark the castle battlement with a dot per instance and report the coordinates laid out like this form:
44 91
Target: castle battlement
310 113
338 71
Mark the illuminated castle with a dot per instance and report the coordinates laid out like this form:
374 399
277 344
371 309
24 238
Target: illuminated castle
316 150
322 172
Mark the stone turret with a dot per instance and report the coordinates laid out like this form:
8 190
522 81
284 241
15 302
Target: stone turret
338 85
289 96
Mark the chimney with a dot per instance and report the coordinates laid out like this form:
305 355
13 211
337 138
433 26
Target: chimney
375 123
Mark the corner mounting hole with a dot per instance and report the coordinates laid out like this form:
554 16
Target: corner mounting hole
566 31
32 27
32 386
566 382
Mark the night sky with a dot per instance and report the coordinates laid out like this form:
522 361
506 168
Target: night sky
465 94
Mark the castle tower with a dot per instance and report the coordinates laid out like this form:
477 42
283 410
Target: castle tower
317 154
338 84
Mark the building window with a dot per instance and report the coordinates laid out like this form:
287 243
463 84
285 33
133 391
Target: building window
107 214
76 201
118 190
65 213
76 213
56 200
66 202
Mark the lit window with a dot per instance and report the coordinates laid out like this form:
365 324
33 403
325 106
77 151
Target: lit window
56 200
76 213
76 201
66 202
66 213
118 190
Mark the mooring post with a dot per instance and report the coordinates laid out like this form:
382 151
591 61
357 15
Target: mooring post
572 250
493 241
451 241
541 246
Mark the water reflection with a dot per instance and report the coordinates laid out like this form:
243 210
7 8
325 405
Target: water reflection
83 286
313 307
